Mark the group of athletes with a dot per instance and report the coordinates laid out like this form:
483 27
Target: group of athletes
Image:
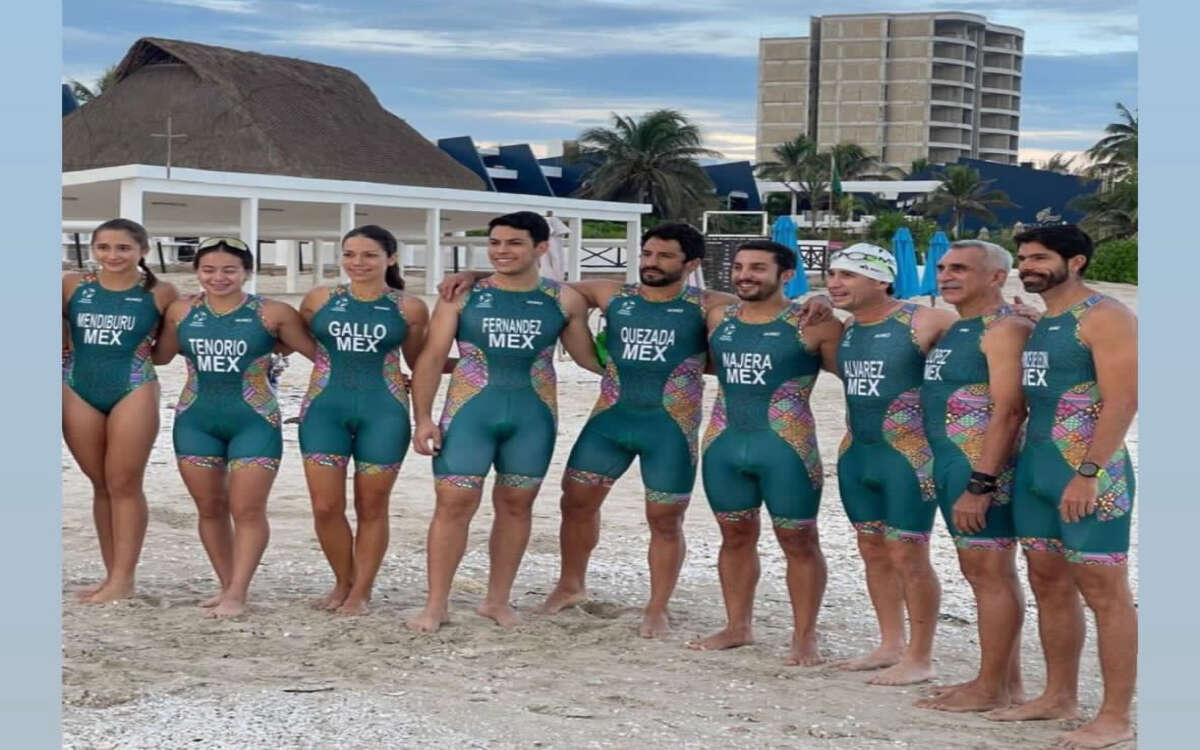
1009 421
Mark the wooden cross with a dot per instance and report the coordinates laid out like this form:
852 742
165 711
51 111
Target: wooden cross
170 137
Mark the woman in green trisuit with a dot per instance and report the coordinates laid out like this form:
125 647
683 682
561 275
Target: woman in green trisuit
110 392
357 406
227 426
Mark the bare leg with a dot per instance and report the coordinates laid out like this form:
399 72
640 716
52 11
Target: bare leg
506 546
887 596
922 597
86 431
132 428
371 494
992 574
806 577
578 534
248 490
206 485
667 551
327 490
1105 588
445 544
738 567
1061 627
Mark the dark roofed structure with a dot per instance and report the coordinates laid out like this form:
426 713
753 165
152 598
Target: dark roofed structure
253 113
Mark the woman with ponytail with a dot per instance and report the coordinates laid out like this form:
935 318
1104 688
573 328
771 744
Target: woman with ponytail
110 391
357 406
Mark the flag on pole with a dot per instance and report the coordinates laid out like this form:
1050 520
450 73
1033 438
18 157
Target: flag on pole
835 182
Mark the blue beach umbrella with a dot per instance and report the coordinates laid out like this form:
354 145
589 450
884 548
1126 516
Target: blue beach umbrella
783 231
937 248
907 284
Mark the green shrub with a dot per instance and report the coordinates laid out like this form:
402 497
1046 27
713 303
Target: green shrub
1115 260
887 222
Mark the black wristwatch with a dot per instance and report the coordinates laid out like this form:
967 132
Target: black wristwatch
1088 469
981 484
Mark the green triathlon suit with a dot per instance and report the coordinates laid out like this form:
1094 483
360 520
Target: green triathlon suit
501 405
1059 377
112 334
958 407
761 441
885 464
227 412
650 396
356 403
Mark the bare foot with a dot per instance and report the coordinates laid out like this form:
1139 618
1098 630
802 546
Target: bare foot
936 691
730 637
334 599
1099 732
877 659
211 601
430 619
352 607
1042 708
111 591
967 697
804 652
504 614
654 625
226 608
84 593
561 598
904 673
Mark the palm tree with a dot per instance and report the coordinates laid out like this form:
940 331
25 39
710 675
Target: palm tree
1059 163
106 81
1110 214
853 161
963 193
1115 156
803 171
648 160
916 167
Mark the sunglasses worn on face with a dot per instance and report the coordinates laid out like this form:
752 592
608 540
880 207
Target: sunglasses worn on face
230 242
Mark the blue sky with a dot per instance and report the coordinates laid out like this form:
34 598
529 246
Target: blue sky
539 71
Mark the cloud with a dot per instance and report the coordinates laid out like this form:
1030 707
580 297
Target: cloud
1040 155
236 7
1058 135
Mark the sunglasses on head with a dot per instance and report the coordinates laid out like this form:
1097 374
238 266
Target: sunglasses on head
856 255
230 242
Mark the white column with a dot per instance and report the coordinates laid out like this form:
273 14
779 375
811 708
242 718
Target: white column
434 265
318 265
575 249
408 255
633 248
346 226
131 201
287 250
403 256
249 235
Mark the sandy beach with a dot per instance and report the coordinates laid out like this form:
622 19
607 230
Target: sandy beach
150 672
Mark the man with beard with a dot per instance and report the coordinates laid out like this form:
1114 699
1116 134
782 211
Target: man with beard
761 444
973 409
1074 486
649 408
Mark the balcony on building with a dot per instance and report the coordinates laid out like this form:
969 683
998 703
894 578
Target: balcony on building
1005 104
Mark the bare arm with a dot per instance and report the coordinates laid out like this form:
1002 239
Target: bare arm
1110 330
576 336
596 292
829 347
931 324
822 338
714 313
291 330
416 313
313 301
1002 346
167 345
427 374
458 283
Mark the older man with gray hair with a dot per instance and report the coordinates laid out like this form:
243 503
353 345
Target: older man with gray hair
973 408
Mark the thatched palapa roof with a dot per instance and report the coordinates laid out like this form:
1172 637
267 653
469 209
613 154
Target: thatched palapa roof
248 112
